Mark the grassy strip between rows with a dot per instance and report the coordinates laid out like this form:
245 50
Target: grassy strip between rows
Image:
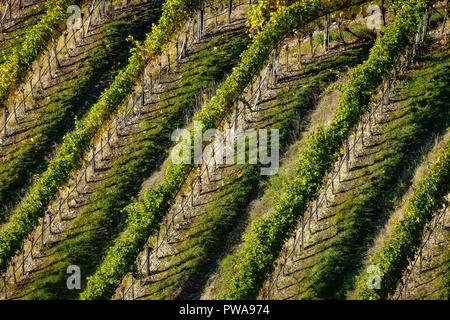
392 163
202 245
267 236
146 214
101 219
429 195
76 143
93 71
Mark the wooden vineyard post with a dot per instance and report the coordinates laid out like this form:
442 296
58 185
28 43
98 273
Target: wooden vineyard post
143 92
339 168
168 61
82 25
5 122
10 10
426 20
13 266
207 171
230 7
40 77
416 42
15 112
214 158
445 19
275 67
42 231
93 159
183 202
236 117
55 52
406 57
303 232
23 264
326 36
310 217
103 7
90 18
420 259
31 87
347 156
32 242
147 258
192 193
311 45
101 151
108 138
23 99
74 38
362 133
65 43
194 26
202 22
49 67
132 287
287 57
60 206
5 295
332 183
387 92
185 41
299 42
199 28
125 115
150 82
156 249
159 72
67 199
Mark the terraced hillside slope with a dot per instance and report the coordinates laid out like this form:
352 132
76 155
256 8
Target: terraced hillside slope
316 166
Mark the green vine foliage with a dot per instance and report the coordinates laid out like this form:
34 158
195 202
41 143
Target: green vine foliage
76 143
393 258
146 213
267 236
36 39
261 11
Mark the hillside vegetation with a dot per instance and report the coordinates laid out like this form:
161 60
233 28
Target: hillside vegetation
347 101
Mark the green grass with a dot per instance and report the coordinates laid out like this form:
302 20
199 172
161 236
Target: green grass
424 95
70 100
101 220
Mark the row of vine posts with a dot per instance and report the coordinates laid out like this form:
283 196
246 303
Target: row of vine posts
190 35
97 10
351 147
